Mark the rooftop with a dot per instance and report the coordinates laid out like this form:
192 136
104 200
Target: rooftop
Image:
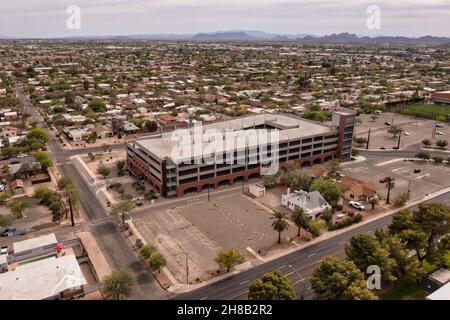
41 279
288 128
33 243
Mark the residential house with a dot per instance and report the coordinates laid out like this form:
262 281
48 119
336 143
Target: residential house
357 190
103 132
313 203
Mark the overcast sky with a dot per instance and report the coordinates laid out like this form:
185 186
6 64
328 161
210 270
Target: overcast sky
47 18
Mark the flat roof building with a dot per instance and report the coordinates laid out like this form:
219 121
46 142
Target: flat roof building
441 97
221 153
50 278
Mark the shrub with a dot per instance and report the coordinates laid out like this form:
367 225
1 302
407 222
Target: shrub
345 223
423 155
437 159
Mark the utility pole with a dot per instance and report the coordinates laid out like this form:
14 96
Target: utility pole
209 187
368 139
71 212
399 137
242 185
187 268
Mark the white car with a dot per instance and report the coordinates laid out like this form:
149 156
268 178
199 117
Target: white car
22 155
4 250
440 133
378 112
356 205
439 125
2 187
406 133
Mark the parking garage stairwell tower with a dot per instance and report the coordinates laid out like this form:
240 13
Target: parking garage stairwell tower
302 141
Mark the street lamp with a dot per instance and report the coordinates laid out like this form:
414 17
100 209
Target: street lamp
302 297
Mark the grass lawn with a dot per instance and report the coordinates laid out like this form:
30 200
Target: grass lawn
427 109
405 291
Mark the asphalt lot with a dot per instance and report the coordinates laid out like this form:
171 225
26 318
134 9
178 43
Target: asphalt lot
416 130
432 177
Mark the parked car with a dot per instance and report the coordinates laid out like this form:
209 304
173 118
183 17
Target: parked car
3 250
22 155
417 171
378 112
440 133
356 205
388 123
406 133
17 233
139 202
2 187
439 125
15 162
11 229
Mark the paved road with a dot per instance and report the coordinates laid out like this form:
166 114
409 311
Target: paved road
117 250
298 266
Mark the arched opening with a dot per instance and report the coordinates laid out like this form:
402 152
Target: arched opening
207 186
317 161
224 183
191 190
238 179
254 175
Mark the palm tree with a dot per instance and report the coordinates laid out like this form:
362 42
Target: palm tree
373 201
279 224
389 183
300 219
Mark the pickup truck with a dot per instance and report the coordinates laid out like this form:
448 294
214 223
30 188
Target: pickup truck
14 233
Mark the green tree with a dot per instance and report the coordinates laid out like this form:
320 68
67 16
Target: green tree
279 224
103 171
156 261
151 126
365 251
44 194
340 280
118 285
17 207
389 183
229 258
272 286
394 130
38 134
68 187
300 218
122 206
407 268
147 250
97 105
328 188
44 159
423 229
332 167
423 155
